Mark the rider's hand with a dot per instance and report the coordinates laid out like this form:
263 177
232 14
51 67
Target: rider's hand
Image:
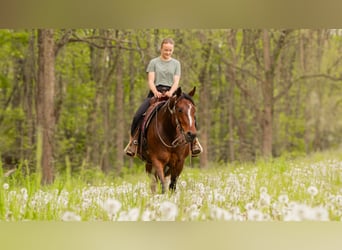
158 94
168 93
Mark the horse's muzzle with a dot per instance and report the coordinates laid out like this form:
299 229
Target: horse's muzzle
189 137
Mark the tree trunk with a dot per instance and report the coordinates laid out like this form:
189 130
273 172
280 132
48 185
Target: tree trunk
119 109
45 101
232 78
267 91
93 124
28 98
119 117
204 104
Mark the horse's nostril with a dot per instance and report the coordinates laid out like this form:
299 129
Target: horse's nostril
191 136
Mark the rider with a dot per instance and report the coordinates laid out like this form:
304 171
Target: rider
163 79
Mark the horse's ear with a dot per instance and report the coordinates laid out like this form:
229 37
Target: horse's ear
192 92
178 92
174 97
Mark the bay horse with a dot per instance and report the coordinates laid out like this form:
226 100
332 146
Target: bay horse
168 138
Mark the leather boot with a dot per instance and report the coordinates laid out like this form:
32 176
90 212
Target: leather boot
132 146
196 148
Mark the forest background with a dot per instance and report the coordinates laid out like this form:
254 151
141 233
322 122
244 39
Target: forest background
67 96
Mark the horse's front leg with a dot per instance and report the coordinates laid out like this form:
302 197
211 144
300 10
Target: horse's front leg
175 172
159 174
152 175
173 183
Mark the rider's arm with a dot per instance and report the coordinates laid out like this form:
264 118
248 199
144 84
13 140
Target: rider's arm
151 76
174 86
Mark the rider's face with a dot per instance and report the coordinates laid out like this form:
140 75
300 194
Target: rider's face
166 51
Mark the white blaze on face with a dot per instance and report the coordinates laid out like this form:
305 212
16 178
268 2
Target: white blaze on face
189 115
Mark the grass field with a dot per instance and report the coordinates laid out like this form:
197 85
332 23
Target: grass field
282 189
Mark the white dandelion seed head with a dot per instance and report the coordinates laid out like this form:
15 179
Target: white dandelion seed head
283 198
217 213
148 215
265 200
312 190
320 214
255 215
209 198
23 191
5 186
111 206
123 216
168 211
249 206
194 214
192 211
183 184
303 212
133 214
263 190
130 215
338 200
291 217
199 202
70 216
220 198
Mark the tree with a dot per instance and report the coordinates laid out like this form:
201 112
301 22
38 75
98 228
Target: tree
45 101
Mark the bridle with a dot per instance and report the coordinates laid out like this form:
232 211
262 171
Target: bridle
181 139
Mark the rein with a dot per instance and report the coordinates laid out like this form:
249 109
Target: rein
178 141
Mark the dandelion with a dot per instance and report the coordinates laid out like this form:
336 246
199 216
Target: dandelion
284 199
131 215
249 206
147 215
70 216
320 214
265 200
303 212
183 184
255 215
111 206
193 212
263 190
23 191
6 186
218 213
219 197
312 190
339 200
168 211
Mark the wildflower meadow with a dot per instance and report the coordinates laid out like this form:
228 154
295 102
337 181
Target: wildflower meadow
283 189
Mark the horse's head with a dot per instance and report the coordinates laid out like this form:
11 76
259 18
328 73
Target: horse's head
183 108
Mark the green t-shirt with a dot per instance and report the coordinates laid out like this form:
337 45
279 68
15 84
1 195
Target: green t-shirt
164 70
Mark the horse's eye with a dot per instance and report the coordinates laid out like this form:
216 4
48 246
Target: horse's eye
180 110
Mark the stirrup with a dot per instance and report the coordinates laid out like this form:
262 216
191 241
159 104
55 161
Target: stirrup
196 148
131 148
